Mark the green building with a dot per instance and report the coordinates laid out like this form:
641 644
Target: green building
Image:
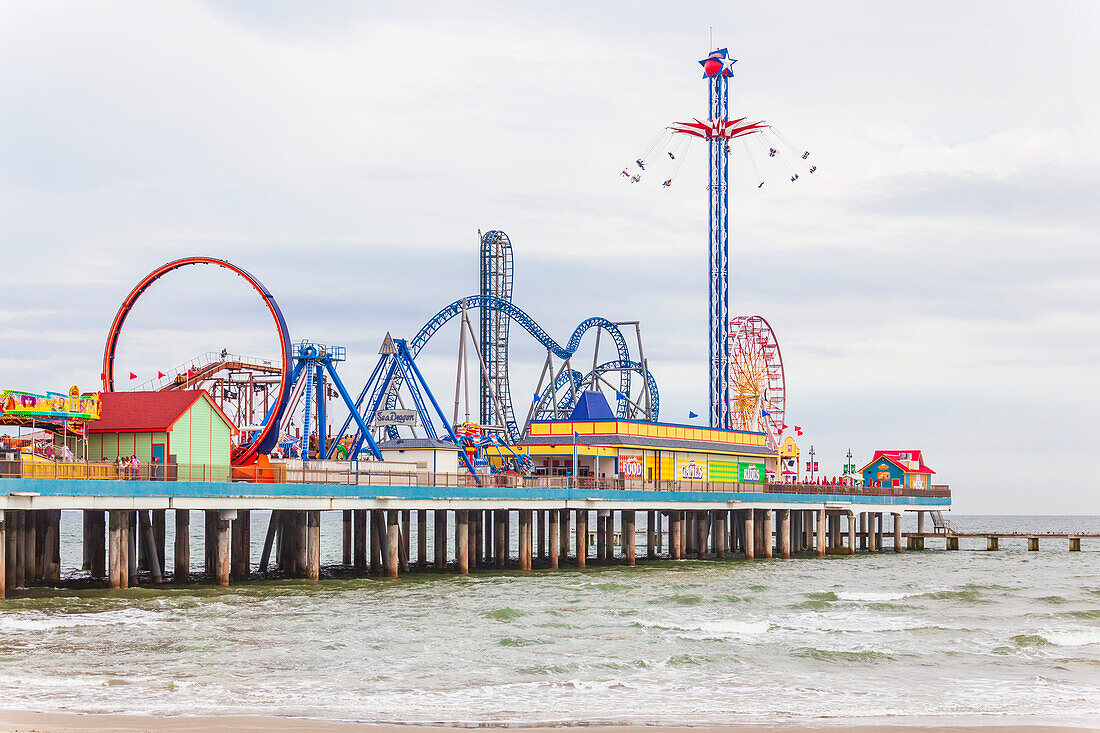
185 431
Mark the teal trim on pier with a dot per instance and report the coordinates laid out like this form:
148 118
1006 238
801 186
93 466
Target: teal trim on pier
223 490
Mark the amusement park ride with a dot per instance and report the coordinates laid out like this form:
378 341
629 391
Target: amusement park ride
747 385
269 398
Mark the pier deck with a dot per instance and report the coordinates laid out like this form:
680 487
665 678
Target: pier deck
386 528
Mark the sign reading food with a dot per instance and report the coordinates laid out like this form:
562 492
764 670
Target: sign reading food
631 467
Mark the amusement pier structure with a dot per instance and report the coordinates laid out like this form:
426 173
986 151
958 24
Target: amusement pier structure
590 474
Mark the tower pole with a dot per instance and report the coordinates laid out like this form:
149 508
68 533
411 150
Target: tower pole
719 258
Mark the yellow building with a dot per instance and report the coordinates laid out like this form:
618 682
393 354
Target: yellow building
641 453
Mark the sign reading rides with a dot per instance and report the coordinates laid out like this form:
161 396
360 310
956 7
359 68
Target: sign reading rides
750 473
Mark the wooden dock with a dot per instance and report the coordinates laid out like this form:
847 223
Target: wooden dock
916 540
388 530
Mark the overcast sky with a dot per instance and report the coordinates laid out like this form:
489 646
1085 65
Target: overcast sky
934 285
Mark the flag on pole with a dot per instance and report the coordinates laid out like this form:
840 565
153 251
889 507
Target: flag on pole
161 375
132 376
619 395
765 413
691 415
536 398
798 430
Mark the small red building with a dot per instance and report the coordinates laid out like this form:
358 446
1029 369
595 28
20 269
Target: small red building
898 469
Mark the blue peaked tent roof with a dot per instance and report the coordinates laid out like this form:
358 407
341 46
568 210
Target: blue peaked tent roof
592 405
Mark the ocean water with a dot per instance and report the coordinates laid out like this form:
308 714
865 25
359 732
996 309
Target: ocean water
1003 636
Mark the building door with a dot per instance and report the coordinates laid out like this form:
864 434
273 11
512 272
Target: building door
157 456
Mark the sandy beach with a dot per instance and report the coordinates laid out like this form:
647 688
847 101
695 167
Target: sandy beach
26 722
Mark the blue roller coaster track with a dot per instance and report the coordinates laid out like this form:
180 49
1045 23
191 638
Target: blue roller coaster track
578 379
517 314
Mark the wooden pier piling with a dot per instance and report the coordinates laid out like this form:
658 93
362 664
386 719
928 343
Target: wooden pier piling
114 547
701 535
152 560
222 541
346 535
30 536
406 539
582 538
784 533
3 554
462 541
554 540
851 533
821 538
992 543
440 539
721 535
1033 544
360 549
313 543
629 537
160 535
897 533
182 547
767 534
97 543
377 539
1074 544
422 538
525 539
241 561
393 542
750 534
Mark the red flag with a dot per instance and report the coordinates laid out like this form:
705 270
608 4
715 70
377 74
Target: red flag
784 426
798 430
160 375
133 376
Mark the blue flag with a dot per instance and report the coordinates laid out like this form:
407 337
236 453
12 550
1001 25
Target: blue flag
691 415
536 399
619 395
765 413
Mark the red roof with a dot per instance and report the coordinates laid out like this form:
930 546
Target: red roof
148 412
894 456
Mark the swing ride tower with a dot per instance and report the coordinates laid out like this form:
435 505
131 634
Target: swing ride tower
717 71
718 130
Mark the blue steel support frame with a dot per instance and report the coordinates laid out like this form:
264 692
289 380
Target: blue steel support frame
719 260
390 371
311 362
354 413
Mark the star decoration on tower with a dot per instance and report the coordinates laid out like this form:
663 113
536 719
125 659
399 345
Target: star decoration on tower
718 63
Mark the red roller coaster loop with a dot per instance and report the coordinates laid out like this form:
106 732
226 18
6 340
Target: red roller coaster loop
264 440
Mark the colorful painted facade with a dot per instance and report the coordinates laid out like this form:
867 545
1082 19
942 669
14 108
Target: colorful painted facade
184 428
898 469
645 452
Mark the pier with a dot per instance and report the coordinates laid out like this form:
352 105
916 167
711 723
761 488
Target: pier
431 522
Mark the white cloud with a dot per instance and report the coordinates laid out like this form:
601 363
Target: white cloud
933 285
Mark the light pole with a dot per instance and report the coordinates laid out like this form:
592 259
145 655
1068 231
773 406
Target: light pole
813 464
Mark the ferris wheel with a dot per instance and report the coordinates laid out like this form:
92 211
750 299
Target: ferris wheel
758 398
